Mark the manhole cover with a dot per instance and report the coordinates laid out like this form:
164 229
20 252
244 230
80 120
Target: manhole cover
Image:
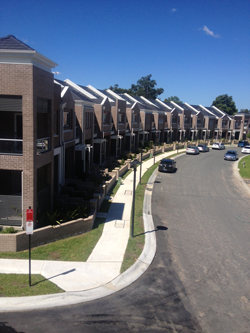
119 223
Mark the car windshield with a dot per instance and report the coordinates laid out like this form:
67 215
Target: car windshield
231 152
166 162
247 147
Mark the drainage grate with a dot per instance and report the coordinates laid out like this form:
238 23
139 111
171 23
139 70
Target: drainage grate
128 192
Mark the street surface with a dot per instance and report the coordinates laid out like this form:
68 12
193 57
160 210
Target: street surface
199 279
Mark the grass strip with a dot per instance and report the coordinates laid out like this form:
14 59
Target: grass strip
77 248
18 285
244 171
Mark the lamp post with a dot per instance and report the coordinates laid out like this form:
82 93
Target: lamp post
133 203
141 166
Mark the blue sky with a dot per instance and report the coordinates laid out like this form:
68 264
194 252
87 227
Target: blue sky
195 49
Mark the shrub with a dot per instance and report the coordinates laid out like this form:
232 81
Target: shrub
9 230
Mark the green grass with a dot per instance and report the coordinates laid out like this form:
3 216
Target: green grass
77 248
245 172
18 285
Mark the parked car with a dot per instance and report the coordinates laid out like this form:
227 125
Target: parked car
203 148
218 145
231 155
192 150
246 150
243 143
167 165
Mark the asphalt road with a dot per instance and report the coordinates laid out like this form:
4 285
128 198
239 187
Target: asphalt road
199 279
207 215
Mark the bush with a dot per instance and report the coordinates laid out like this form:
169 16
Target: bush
66 214
9 230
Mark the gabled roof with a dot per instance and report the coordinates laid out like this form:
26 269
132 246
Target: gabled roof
10 42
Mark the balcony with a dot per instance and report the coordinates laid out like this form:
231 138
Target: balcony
42 145
11 146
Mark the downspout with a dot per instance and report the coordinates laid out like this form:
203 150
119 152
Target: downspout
62 144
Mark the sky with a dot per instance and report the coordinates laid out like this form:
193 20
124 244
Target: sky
195 50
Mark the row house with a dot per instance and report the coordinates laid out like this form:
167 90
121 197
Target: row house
240 126
26 131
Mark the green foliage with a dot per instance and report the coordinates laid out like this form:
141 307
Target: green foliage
66 214
225 103
144 87
173 98
9 230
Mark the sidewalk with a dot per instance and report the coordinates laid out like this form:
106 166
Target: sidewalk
100 275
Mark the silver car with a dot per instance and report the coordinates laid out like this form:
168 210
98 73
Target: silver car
203 148
218 145
246 150
192 150
231 155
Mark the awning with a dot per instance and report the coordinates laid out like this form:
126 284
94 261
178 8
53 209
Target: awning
82 147
99 140
130 134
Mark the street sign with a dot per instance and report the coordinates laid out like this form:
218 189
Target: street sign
29 215
29 228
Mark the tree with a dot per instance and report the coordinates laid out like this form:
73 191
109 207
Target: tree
225 103
173 98
144 87
244 111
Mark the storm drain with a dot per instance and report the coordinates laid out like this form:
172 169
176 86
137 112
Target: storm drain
128 192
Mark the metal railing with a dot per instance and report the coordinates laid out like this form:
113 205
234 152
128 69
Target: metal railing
11 146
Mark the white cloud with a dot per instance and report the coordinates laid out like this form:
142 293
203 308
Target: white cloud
209 32
173 10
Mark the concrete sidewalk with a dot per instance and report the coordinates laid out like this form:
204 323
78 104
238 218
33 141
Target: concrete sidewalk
100 275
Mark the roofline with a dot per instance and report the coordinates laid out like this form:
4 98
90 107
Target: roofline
81 90
176 105
111 92
26 57
147 101
224 113
98 92
191 107
168 107
132 99
203 107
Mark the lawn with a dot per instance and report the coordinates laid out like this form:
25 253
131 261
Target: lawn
244 171
18 285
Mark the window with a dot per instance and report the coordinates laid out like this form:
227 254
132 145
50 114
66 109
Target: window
135 117
174 120
105 118
121 118
160 120
66 119
56 127
43 105
199 121
187 121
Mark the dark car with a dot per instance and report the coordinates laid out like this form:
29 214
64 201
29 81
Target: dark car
167 165
243 143
231 155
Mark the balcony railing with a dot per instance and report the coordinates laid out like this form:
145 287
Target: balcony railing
43 145
11 146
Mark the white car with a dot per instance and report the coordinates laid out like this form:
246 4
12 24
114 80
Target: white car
218 145
246 150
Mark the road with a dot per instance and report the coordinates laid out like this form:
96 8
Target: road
199 279
207 215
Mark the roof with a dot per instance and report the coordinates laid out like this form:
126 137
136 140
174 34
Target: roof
10 42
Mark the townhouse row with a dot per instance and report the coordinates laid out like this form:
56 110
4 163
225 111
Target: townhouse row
53 130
